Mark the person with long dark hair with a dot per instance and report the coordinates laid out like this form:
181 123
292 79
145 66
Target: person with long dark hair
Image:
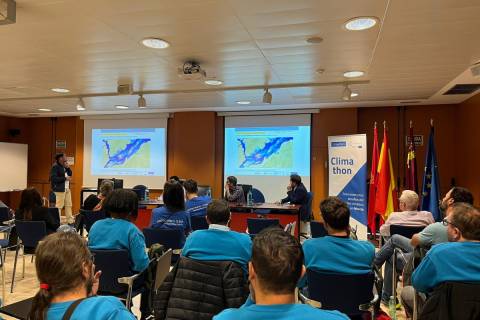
172 215
69 283
31 208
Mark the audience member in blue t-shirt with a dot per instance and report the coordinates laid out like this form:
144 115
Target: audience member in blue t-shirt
172 215
276 267
118 232
218 243
456 260
195 205
74 278
337 252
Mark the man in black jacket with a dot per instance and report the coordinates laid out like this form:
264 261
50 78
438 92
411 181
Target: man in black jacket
60 177
297 194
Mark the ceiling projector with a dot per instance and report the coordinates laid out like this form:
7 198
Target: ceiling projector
191 71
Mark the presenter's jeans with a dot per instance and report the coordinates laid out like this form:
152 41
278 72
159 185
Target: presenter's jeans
64 200
385 255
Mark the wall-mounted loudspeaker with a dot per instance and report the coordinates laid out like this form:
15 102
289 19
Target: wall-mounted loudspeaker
14 132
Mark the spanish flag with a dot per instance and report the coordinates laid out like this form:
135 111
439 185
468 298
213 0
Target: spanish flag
372 215
386 200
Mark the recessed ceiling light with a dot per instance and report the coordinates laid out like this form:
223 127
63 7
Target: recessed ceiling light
60 90
243 102
361 23
314 40
213 82
354 94
353 74
155 43
44 109
121 107
320 71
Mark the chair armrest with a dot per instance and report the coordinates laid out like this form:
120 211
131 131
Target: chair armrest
128 280
177 251
367 306
401 253
9 223
310 302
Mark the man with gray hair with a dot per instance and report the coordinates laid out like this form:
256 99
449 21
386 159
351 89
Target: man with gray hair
408 215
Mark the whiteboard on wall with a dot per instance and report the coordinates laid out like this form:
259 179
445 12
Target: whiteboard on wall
13 166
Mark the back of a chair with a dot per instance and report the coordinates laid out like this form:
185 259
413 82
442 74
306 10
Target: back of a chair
31 232
255 225
169 238
406 231
199 223
204 191
342 292
55 213
140 191
257 196
317 229
114 264
4 216
91 217
163 268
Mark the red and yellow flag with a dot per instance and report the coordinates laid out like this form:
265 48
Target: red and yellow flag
386 195
372 215
411 174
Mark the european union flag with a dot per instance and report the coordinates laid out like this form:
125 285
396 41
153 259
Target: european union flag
431 188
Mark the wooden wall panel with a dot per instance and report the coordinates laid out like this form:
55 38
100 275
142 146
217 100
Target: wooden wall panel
466 147
192 146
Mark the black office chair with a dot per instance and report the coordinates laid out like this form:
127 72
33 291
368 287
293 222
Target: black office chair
257 196
55 213
308 210
255 225
199 223
204 191
117 278
91 217
406 231
317 229
351 294
169 238
140 190
29 235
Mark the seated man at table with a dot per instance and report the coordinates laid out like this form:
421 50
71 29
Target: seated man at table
276 267
196 205
297 194
457 260
233 193
337 252
65 270
219 243
172 215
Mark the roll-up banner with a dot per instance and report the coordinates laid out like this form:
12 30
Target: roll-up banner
347 176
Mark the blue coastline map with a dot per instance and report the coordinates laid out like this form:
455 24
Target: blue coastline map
261 154
122 155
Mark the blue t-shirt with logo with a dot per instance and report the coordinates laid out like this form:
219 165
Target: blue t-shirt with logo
252 311
450 261
97 307
165 219
198 206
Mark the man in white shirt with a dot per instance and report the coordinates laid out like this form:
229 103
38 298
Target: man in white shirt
408 215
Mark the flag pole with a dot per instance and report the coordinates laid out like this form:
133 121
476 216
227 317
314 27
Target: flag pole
431 122
411 124
375 125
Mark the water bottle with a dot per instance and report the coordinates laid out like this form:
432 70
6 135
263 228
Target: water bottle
392 308
209 192
147 194
249 198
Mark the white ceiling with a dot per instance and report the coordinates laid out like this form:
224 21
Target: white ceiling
417 50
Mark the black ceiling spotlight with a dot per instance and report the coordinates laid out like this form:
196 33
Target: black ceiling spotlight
267 97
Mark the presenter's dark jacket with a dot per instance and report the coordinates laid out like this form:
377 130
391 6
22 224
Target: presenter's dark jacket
40 214
57 177
299 196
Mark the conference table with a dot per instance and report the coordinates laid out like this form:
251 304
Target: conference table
285 213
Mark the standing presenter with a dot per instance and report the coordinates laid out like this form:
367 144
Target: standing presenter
60 177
